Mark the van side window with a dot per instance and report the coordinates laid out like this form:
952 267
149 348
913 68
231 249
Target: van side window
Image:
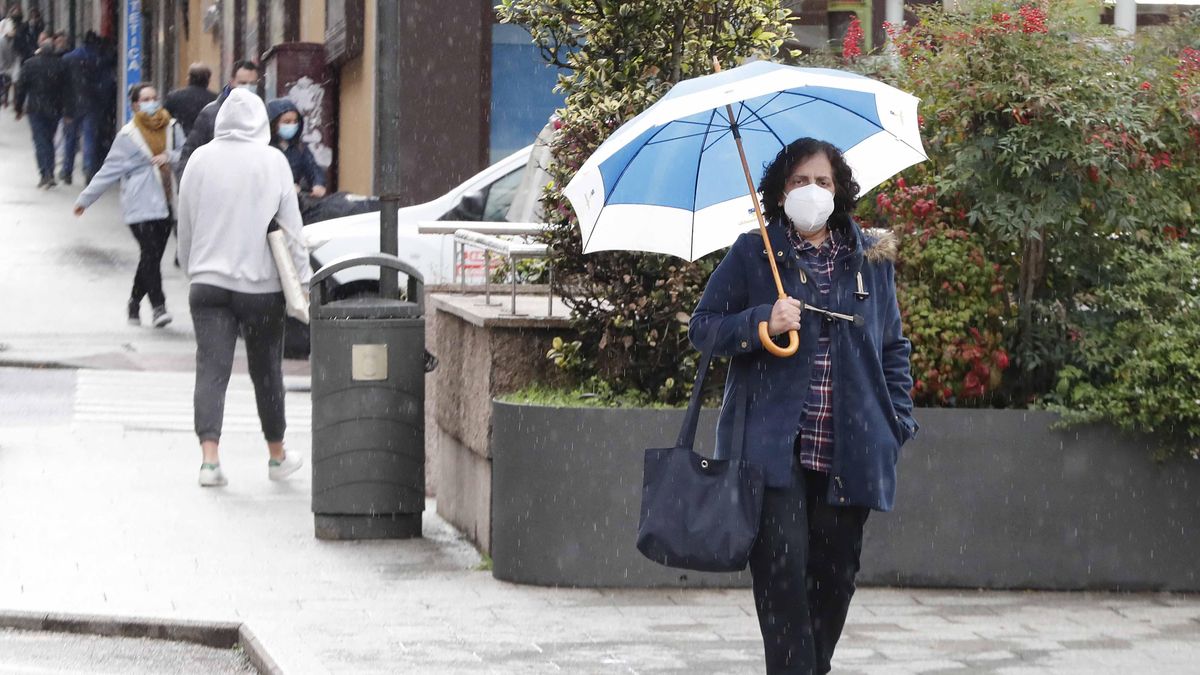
500 196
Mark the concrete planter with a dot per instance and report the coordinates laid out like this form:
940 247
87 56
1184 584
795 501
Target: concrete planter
987 499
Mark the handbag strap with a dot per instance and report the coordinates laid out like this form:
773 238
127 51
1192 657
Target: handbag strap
687 433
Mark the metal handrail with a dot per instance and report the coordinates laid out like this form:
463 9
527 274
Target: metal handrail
511 250
453 226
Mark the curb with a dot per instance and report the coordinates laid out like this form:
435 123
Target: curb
217 634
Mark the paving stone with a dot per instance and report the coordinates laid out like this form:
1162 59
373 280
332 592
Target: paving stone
135 535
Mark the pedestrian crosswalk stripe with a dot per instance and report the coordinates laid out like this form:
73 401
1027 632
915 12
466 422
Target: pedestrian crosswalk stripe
162 401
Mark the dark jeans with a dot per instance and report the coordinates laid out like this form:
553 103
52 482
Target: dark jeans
43 128
218 316
81 128
5 83
803 565
152 238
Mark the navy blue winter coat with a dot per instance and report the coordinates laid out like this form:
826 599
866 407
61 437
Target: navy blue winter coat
872 406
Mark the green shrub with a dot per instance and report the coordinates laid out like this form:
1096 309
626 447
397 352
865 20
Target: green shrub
630 310
951 293
1049 245
1138 360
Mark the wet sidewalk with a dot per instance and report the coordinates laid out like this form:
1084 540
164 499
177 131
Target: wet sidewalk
64 281
100 514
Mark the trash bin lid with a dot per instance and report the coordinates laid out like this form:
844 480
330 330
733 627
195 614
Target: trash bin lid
368 307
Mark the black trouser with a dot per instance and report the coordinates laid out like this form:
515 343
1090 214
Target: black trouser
803 564
219 315
152 238
43 128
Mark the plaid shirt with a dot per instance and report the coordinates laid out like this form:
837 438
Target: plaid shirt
814 444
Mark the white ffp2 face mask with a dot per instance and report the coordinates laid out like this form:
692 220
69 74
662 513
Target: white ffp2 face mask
808 208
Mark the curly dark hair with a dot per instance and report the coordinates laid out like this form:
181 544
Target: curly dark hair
774 180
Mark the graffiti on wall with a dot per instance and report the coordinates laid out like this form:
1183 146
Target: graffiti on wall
309 97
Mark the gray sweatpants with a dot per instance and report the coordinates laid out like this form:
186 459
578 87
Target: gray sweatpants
219 315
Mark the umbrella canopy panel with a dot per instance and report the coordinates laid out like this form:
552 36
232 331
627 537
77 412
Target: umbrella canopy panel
671 181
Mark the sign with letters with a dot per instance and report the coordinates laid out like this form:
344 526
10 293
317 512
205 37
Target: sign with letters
133 51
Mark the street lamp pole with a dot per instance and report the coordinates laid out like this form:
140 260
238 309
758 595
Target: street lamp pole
1125 17
387 141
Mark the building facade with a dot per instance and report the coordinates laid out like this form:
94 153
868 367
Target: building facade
468 92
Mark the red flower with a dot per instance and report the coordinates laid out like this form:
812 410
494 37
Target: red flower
1145 86
1093 174
1000 358
1033 19
852 41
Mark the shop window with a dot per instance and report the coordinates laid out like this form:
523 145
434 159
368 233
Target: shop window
523 96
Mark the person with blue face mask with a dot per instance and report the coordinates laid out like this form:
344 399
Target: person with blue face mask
287 131
142 158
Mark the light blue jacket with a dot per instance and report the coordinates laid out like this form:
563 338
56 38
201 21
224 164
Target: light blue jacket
142 195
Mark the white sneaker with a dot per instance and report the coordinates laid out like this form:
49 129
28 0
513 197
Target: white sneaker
212 476
278 469
161 316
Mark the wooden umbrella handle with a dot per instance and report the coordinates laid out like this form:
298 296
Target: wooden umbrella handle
765 336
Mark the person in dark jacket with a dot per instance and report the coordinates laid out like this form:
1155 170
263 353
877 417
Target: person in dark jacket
35 27
106 127
287 130
185 104
24 36
43 91
245 76
826 424
84 69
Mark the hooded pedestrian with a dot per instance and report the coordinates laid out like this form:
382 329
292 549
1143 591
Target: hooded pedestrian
142 158
245 76
232 190
43 92
826 425
287 133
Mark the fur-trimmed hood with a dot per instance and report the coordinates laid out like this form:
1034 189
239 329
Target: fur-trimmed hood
880 245
877 244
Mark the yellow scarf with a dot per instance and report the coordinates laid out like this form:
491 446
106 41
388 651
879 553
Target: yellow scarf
154 129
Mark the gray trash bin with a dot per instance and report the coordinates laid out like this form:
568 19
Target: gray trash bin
368 408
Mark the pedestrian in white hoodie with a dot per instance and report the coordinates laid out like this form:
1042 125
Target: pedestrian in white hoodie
231 191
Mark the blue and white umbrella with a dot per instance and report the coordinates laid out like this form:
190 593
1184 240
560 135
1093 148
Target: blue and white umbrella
671 180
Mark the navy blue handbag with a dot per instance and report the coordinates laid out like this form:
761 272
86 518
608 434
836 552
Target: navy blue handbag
698 513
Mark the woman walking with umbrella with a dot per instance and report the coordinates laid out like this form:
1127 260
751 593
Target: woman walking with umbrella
826 424
820 420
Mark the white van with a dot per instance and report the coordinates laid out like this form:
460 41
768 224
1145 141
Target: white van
508 191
